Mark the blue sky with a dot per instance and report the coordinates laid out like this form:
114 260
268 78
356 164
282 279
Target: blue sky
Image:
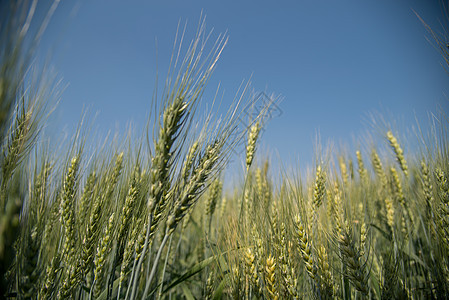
332 62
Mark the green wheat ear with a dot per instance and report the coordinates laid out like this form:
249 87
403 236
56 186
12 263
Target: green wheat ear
326 278
103 249
188 195
212 199
378 168
398 151
319 188
253 135
173 119
343 170
127 210
86 198
363 172
352 259
270 278
67 211
305 248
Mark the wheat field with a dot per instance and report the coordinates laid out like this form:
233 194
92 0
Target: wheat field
149 218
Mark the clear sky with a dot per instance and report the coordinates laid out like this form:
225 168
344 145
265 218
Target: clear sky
332 62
